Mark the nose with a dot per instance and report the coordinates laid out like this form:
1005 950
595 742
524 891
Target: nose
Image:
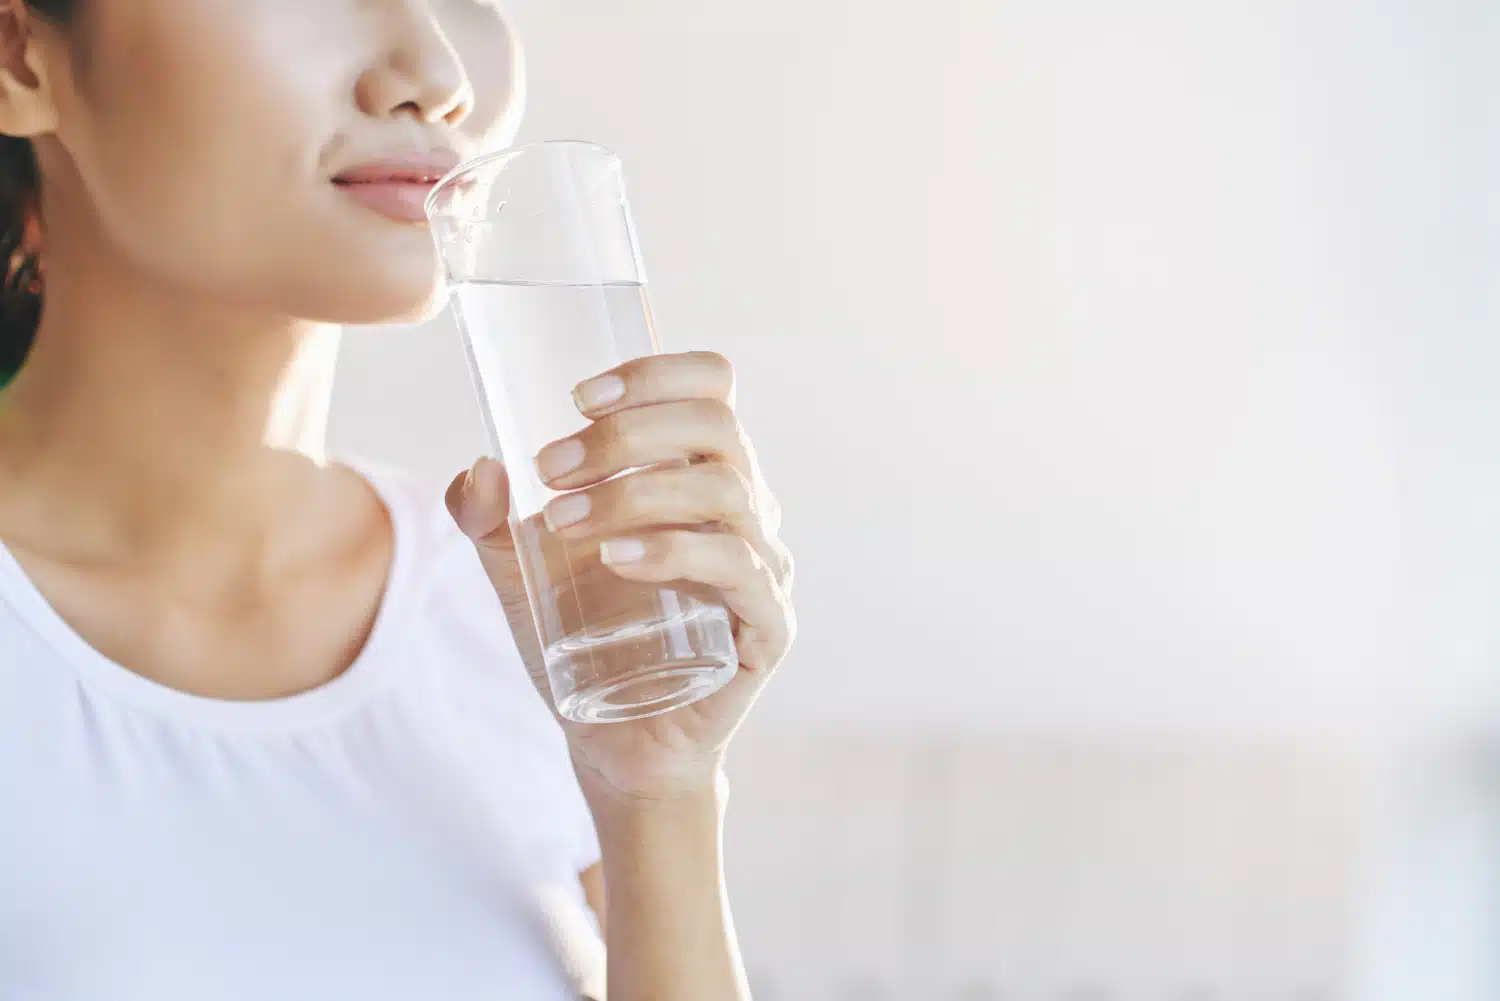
420 72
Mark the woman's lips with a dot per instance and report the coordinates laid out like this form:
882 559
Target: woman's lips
398 199
397 184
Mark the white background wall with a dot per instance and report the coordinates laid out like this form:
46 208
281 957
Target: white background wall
1121 366
1115 362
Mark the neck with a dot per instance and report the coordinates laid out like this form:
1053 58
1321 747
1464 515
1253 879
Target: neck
154 416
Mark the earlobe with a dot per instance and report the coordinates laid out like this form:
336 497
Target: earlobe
26 107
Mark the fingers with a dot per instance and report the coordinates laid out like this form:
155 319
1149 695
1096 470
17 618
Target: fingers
709 493
662 408
645 436
657 379
702 494
726 563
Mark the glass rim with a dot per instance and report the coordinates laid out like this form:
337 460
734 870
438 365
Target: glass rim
469 166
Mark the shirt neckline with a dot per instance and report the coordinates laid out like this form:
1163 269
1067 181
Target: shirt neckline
333 697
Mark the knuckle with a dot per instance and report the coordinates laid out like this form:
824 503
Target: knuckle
714 413
728 430
785 564
721 366
732 493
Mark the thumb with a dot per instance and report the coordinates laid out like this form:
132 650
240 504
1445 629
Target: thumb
479 501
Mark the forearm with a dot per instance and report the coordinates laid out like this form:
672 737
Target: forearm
670 936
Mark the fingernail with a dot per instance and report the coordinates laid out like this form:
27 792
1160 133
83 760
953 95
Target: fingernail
565 511
621 551
600 392
472 480
560 457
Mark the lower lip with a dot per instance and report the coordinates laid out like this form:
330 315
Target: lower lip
399 200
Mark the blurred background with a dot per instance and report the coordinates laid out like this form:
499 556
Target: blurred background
1130 375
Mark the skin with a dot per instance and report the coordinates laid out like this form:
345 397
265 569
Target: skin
163 478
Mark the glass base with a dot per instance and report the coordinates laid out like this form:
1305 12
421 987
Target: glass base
658 689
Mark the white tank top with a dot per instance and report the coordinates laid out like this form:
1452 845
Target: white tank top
393 834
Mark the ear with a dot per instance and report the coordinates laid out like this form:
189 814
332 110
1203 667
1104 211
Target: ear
26 105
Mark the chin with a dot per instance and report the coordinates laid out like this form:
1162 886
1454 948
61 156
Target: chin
388 309
379 296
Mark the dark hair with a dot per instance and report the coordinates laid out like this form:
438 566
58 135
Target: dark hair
20 227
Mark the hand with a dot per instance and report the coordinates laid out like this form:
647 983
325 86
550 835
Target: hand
673 413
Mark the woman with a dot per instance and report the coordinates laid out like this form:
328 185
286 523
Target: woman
264 729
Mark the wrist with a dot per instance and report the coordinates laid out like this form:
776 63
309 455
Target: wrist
673 788
688 802
662 853
667 916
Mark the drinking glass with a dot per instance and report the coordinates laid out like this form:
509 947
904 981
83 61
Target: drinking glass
548 289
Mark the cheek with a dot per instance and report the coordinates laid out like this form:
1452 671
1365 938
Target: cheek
205 149
209 169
